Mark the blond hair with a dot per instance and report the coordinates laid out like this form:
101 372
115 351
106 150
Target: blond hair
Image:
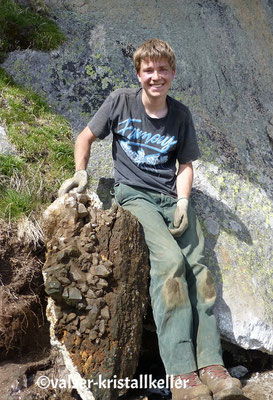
154 49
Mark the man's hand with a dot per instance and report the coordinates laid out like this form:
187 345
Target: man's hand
79 181
180 221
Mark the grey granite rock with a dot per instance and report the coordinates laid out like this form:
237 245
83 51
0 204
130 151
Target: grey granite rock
224 74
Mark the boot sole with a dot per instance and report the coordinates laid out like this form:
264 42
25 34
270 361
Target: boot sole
230 394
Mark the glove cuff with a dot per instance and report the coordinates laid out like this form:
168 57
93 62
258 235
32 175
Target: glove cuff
182 198
81 172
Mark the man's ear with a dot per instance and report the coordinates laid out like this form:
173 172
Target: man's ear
138 77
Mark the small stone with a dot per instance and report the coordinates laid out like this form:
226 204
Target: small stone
105 313
54 269
100 302
77 275
73 251
83 287
65 281
93 315
107 263
70 317
87 230
107 219
84 325
81 306
83 198
102 283
71 328
102 326
74 295
53 288
100 270
99 293
238 372
82 211
89 279
89 247
93 335
65 294
90 294
95 259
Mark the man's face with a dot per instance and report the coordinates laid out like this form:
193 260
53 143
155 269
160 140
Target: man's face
155 77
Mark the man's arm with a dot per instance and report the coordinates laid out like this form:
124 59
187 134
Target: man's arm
183 185
184 180
81 157
82 148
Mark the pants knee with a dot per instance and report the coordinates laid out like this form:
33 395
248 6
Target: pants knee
175 293
206 287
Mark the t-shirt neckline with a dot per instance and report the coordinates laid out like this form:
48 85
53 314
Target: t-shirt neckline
139 99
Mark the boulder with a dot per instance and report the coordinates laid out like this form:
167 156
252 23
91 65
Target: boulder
224 74
96 274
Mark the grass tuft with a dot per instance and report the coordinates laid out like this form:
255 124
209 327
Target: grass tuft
29 180
21 28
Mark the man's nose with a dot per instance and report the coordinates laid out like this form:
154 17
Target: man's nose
155 75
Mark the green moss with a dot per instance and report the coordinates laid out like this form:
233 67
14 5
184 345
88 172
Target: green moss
21 28
44 143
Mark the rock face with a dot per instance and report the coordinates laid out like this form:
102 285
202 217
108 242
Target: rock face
224 74
5 146
96 272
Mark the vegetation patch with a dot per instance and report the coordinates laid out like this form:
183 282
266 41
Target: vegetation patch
29 181
21 28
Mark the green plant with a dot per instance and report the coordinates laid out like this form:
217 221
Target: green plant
21 28
29 181
13 203
10 164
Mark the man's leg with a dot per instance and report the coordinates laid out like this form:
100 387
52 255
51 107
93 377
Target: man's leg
202 295
168 289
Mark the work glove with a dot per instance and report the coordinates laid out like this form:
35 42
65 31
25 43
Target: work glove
79 181
180 220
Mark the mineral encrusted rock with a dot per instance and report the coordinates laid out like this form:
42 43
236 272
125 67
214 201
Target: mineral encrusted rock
96 274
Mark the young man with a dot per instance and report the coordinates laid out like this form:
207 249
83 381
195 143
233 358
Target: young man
151 132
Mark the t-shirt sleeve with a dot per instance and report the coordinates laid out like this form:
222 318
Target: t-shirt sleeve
188 149
100 124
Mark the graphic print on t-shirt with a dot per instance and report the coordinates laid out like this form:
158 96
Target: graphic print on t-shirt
145 149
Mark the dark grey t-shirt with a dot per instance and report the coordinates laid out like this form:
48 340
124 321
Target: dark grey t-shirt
145 149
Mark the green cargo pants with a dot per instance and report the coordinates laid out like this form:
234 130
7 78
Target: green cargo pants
182 288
